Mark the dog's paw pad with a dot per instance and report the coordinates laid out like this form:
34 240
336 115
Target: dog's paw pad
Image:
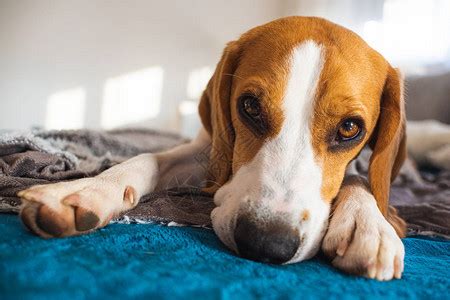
85 219
50 221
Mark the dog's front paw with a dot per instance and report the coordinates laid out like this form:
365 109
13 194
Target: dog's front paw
73 208
360 240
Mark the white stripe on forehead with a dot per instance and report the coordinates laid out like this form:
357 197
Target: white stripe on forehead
287 160
305 67
293 143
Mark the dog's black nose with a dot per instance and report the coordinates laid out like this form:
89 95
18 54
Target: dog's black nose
273 242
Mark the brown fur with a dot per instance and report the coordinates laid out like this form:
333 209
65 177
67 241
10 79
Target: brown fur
355 80
214 110
389 147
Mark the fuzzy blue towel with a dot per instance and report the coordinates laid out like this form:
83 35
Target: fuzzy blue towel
153 261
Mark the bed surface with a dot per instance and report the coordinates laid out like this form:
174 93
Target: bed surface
155 261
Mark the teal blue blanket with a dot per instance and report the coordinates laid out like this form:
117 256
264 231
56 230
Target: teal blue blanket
153 261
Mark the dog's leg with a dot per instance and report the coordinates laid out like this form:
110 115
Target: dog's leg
359 239
79 206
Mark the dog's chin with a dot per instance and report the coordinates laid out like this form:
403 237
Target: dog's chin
224 225
309 250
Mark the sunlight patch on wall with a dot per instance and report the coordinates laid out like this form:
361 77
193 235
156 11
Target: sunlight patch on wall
132 97
412 31
66 109
197 81
187 113
188 118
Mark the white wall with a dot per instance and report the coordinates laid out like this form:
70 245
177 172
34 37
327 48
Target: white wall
56 53
47 47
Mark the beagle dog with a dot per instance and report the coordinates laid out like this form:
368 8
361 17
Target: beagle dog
289 107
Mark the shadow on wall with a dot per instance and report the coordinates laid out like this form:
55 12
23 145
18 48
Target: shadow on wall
132 99
128 98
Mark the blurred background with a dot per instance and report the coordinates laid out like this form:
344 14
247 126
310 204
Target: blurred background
106 64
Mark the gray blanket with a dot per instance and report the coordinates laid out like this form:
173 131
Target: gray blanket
26 159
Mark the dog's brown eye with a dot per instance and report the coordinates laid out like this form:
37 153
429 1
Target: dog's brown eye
348 134
252 107
349 130
252 114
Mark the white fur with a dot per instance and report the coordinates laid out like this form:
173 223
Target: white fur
284 168
359 237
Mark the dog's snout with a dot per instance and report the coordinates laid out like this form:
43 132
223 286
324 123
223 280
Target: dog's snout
275 242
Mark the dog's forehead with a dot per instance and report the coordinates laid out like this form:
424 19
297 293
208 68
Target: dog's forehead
352 71
266 49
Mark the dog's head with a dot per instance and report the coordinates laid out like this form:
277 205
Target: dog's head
290 104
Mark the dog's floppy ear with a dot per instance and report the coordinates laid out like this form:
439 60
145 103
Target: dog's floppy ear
389 146
215 114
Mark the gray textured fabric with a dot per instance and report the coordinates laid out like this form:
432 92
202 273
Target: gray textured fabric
41 157
422 199
428 97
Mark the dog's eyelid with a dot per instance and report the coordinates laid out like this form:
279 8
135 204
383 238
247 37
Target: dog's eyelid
353 117
252 92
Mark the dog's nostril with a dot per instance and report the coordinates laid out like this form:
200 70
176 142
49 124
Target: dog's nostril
275 242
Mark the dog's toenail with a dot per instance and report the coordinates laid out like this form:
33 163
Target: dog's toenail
129 194
50 222
85 219
342 247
